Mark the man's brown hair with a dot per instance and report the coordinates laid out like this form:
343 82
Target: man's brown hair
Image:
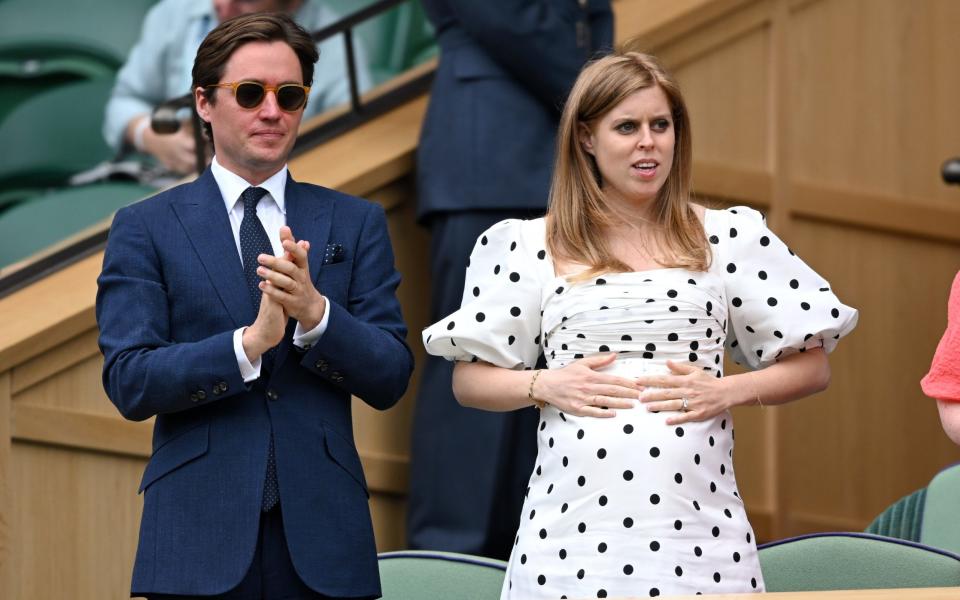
220 44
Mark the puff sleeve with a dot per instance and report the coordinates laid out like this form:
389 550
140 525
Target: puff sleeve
499 317
776 304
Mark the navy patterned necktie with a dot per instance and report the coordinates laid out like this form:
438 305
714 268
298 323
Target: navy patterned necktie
253 242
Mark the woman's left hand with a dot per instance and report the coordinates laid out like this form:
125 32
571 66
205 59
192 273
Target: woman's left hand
706 395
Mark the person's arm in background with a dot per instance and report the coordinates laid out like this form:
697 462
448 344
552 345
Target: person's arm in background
142 84
539 43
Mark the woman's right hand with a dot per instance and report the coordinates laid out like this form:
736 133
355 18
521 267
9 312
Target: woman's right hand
580 389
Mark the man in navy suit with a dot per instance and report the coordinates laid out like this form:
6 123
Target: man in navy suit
243 310
486 154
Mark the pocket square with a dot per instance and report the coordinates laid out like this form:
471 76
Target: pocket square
333 254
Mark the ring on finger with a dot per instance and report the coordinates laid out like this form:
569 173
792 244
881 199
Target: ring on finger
684 405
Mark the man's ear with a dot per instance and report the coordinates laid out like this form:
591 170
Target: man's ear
586 137
202 104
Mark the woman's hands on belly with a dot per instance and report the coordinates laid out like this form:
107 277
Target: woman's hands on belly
693 393
580 389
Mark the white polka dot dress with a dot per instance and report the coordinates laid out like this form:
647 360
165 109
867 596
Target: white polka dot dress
630 506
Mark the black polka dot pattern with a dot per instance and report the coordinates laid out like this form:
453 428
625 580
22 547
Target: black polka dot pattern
629 506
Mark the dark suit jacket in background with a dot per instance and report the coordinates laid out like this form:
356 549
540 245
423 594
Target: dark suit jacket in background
486 153
171 294
505 70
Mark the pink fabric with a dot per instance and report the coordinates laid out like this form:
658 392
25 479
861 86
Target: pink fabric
943 380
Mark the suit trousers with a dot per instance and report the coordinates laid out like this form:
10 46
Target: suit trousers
469 468
271 575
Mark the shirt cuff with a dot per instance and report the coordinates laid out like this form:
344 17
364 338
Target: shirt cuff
248 371
305 339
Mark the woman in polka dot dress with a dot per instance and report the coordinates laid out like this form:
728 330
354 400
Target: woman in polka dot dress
632 293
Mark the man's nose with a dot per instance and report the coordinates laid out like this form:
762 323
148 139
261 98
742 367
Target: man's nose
269 108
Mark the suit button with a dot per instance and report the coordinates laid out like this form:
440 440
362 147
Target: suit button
201 395
272 394
336 377
194 398
322 365
223 386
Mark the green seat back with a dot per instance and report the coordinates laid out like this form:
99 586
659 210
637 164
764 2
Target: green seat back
844 561
53 135
420 575
33 225
901 519
52 42
941 521
23 78
396 40
110 27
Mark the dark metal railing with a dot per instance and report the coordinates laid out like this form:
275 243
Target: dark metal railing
165 120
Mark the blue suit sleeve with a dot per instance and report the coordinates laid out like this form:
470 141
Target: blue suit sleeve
536 42
145 373
363 350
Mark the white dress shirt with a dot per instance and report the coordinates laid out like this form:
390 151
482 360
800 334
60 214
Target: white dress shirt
272 212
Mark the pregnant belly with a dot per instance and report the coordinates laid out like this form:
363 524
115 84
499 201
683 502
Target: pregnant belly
635 459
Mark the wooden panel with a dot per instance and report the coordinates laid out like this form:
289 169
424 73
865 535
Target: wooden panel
872 436
389 522
74 429
77 387
727 92
388 432
58 358
876 94
8 540
74 517
48 312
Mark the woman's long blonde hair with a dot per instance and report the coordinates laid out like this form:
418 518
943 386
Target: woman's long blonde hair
578 213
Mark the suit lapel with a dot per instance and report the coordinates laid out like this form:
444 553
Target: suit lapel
201 211
309 218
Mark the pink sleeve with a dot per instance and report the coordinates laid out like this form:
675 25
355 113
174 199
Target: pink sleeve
943 380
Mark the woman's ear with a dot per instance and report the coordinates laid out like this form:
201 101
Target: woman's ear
586 137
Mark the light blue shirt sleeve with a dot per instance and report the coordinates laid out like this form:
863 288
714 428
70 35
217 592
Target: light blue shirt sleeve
159 65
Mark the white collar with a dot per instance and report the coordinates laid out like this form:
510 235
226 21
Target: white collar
232 185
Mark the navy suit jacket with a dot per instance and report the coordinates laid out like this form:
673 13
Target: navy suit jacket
505 70
170 296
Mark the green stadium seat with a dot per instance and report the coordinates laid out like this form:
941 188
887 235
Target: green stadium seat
849 561
426 575
927 515
107 27
54 135
49 43
33 225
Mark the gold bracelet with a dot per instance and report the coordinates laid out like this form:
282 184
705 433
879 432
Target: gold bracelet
756 390
538 403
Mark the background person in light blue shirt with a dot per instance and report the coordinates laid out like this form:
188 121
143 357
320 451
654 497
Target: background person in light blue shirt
159 66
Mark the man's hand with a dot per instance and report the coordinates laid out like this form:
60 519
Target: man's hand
289 277
268 329
175 151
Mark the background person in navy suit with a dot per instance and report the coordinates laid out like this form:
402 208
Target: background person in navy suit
254 488
486 154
